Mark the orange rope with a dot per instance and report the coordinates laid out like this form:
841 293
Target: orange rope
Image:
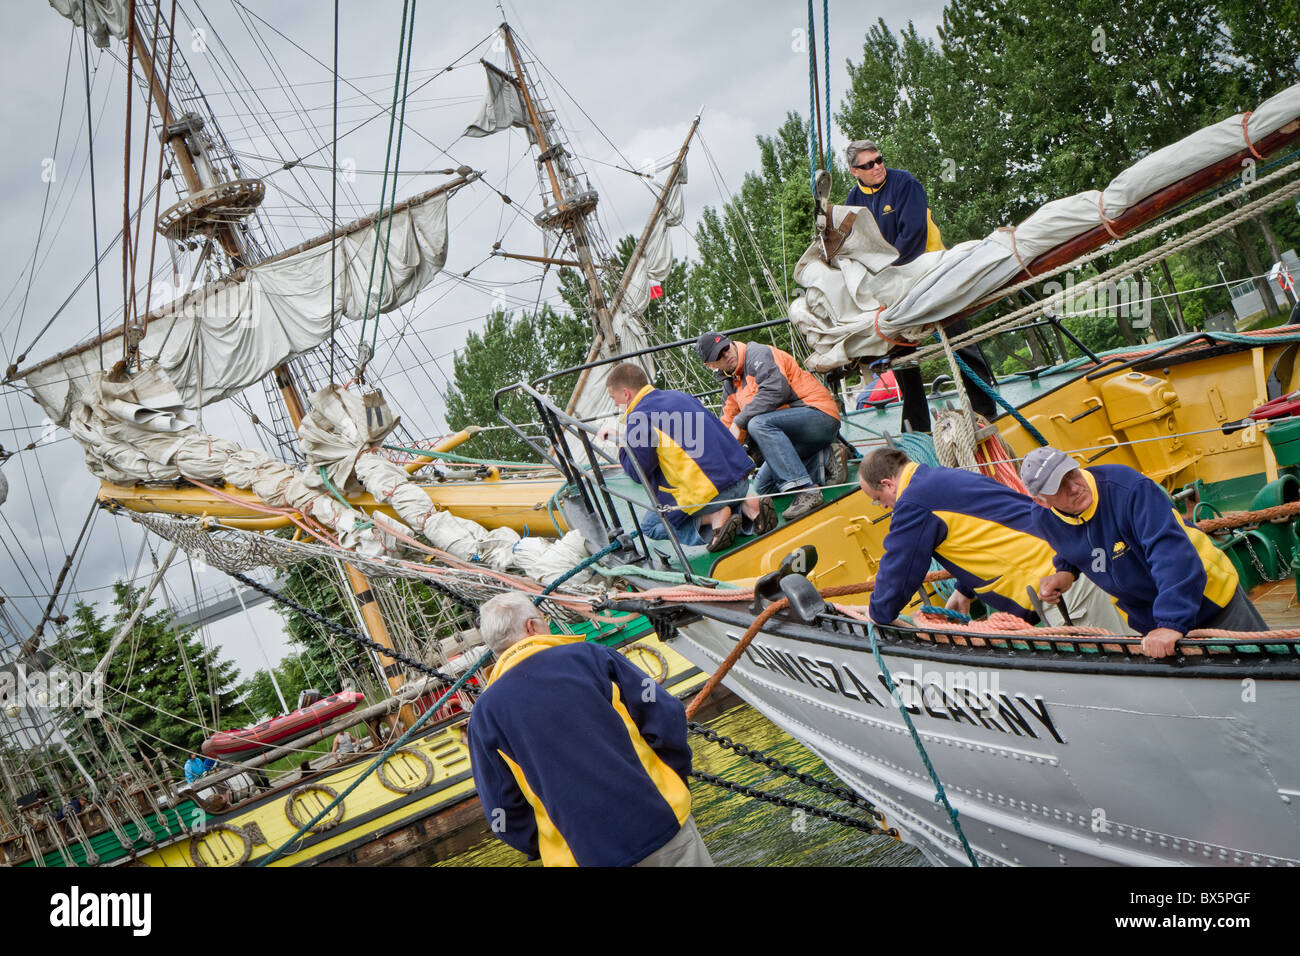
876 322
1107 223
1011 231
1245 134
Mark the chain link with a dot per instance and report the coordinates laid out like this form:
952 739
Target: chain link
758 757
866 826
347 632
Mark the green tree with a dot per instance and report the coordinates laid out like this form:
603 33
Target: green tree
292 676
749 249
509 350
163 687
1024 101
325 657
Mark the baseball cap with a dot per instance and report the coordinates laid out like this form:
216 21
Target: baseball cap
1043 469
711 344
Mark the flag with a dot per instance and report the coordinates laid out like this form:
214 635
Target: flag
656 292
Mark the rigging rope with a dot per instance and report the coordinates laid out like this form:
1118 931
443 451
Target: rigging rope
400 81
940 795
378 761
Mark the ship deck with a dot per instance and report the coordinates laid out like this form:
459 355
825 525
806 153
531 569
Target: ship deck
1277 603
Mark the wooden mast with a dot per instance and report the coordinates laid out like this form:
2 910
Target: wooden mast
233 244
574 219
635 257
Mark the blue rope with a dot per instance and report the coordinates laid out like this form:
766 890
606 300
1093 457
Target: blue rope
919 447
940 795
949 613
584 563
392 748
994 394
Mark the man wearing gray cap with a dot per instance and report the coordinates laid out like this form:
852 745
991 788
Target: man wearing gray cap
792 417
1120 529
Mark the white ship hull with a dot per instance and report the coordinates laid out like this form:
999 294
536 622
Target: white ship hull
1049 758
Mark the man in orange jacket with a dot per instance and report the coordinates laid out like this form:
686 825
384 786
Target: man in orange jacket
790 415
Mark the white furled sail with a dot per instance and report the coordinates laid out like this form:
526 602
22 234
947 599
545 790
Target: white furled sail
230 333
650 269
104 18
857 302
503 107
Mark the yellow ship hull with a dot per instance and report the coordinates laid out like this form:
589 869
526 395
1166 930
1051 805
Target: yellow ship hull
422 793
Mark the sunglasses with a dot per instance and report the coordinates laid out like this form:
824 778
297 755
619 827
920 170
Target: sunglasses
879 160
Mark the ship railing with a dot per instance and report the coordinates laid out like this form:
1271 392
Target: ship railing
570 447
1097 647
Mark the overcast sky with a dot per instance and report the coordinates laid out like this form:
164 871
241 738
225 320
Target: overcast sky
625 79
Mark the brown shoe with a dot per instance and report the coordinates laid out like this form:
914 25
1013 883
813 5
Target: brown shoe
837 465
804 503
725 536
766 520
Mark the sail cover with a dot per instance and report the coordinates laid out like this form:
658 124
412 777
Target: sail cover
228 334
857 303
503 108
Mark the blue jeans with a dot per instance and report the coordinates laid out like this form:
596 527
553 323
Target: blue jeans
687 527
794 442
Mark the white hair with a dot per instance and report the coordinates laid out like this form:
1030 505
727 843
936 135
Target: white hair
859 146
503 618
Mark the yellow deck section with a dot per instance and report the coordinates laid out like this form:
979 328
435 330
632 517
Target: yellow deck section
1167 421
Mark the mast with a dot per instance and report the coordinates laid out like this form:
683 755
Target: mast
637 252
211 192
571 208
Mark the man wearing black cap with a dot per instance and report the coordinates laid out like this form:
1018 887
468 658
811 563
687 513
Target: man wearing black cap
1119 528
790 415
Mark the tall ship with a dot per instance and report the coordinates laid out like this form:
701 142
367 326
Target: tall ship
1044 745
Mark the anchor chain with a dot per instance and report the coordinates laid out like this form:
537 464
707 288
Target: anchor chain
759 757
866 826
342 631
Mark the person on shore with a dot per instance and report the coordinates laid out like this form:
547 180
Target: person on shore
1118 528
197 766
579 757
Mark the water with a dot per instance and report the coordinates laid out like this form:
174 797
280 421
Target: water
740 831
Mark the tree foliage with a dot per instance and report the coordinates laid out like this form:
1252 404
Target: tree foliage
163 687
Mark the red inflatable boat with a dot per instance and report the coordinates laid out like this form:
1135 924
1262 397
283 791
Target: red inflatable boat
263 735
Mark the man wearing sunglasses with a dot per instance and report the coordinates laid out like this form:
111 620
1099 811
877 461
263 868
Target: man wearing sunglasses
898 203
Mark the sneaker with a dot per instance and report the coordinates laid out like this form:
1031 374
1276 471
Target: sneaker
804 503
766 520
837 465
725 536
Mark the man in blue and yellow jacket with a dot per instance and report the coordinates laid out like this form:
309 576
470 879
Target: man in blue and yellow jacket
579 757
897 201
695 468
1119 528
977 529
